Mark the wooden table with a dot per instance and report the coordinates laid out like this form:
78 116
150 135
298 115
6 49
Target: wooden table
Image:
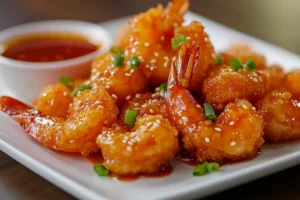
274 21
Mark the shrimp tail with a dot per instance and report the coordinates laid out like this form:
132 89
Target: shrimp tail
185 64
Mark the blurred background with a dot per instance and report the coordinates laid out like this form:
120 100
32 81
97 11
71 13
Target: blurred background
275 21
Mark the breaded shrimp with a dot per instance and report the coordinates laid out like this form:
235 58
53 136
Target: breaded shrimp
292 83
90 112
147 147
224 85
147 103
120 82
282 116
237 132
244 53
150 38
54 99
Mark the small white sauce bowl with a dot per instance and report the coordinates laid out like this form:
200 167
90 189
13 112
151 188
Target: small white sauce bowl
25 79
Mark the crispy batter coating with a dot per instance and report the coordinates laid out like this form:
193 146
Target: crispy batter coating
292 83
238 131
150 39
146 148
282 116
224 85
146 104
120 82
90 112
244 53
54 99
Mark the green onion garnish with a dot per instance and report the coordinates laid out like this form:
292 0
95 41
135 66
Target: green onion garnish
81 89
209 112
117 50
219 60
101 170
135 62
163 87
118 60
251 64
130 117
213 167
67 81
200 169
236 64
206 168
177 40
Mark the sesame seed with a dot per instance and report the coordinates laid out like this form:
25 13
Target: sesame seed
255 80
52 102
136 104
198 106
171 86
244 106
207 140
128 97
156 54
127 74
188 38
133 50
231 123
253 108
174 58
218 129
132 70
151 110
233 143
158 121
65 93
114 96
107 86
255 74
137 95
185 119
146 44
153 61
129 148
151 68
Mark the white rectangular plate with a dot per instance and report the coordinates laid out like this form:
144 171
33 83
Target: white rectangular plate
76 176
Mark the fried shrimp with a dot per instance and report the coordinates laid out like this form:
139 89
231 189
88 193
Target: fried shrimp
54 99
147 147
225 85
146 104
237 132
282 116
150 38
90 111
244 53
119 81
292 83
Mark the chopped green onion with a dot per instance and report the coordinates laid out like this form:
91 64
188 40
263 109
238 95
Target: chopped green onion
135 62
163 87
251 64
67 81
118 60
101 170
117 50
200 169
206 168
130 117
177 40
81 89
209 112
236 64
219 60
213 167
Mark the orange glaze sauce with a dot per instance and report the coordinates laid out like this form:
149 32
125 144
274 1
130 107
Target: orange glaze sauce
48 47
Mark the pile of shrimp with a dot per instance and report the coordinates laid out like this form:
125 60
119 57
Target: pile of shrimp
168 90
